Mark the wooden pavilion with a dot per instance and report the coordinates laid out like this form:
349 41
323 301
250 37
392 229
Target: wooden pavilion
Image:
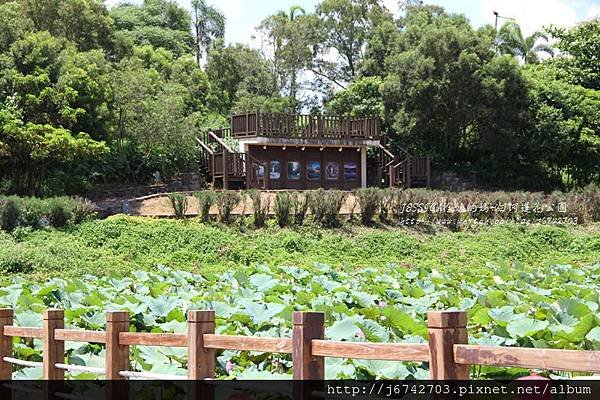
298 152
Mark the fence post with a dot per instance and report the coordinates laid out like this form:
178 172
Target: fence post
446 328
306 327
117 355
54 350
201 361
6 348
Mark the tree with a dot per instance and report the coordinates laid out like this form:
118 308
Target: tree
580 46
33 150
512 41
236 69
345 28
361 98
448 94
209 25
567 126
55 84
83 22
14 24
160 23
290 35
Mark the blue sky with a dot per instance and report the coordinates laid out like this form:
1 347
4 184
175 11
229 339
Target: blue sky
244 15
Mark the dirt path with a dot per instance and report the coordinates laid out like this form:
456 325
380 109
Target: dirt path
160 206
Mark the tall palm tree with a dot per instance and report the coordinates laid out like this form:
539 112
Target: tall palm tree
510 40
291 16
209 24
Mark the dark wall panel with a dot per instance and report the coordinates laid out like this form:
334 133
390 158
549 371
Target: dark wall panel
330 168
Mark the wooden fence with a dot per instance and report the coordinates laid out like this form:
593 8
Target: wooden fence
448 352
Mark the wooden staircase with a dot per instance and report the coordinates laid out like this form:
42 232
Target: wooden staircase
227 168
402 169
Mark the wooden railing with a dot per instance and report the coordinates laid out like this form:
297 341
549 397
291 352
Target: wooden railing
403 168
225 161
448 352
303 126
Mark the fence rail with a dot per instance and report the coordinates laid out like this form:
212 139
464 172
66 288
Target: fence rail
304 126
448 352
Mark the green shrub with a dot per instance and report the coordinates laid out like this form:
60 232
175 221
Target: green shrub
283 208
368 201
260 208
299 205
325 206
226 201
84 210
59 211
9 214
32 211
386 203
205 201
179 203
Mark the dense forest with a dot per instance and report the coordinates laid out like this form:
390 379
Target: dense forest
92 96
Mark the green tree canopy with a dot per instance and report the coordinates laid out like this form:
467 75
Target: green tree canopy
160 23
580 45
83 22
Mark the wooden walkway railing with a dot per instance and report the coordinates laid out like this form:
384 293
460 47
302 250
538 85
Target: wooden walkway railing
304 126
448 352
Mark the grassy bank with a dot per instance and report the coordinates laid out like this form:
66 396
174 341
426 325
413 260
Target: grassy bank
125 244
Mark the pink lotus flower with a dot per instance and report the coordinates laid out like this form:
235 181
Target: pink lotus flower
229 366
382 304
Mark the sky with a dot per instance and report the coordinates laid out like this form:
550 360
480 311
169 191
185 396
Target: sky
244 15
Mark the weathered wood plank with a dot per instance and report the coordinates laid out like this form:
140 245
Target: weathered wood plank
446 328
24 332
548 359
371 351
307 326
153 339
201 360
248 343
6 345
78 335
117 355
53 349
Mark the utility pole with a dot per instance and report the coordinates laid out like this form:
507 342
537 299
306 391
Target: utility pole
500 16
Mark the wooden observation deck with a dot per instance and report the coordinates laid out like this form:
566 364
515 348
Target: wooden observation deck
293 151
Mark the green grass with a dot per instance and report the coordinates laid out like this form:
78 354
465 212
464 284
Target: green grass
124 244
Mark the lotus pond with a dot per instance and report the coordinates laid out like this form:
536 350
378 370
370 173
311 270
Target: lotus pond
508 304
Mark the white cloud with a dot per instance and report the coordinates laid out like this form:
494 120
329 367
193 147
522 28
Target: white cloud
532 15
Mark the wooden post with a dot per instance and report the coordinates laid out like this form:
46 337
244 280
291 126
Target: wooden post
428 167
306 327
6 347
53 350
446 328
225 172
117 355
201 361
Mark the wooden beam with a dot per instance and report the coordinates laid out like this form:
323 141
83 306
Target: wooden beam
53 349
77 335
307 326
6 344
117 355
24 332
201 359
371 351
248 343
519 357
446 328
153 339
